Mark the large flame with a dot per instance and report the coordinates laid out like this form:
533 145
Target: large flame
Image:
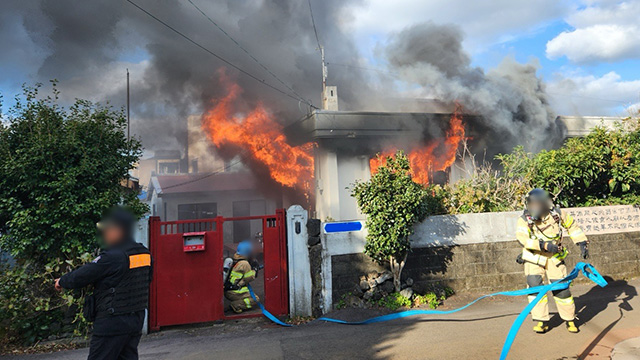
437 155
260 139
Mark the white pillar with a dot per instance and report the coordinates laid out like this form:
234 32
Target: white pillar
299 266
141 235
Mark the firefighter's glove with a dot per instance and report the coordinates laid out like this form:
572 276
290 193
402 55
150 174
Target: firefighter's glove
549 246
584 249
519 259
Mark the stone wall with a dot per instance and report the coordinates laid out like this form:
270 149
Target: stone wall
488 266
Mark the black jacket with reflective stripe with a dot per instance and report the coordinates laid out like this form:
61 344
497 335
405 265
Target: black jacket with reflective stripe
131 294
108 271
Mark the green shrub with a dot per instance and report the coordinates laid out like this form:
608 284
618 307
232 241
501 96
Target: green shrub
31 309
601 168
393 203
60 169
393 301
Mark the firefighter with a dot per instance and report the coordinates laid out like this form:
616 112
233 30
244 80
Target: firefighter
242 273
120 276
539 231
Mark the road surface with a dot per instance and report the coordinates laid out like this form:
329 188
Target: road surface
611 315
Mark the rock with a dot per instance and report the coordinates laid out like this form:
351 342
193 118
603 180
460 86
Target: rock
377 296
364 285
357 291
354 302
409 282
313 240
51 337
313 227
408 293
372 283
368 294
55 327
387 287
384 277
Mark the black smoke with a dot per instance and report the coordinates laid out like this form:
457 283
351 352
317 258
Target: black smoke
509 102
87 45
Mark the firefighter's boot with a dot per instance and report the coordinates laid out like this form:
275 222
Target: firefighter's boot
572 328
541 327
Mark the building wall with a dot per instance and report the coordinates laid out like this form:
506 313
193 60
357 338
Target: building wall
477 252
334 175
167 207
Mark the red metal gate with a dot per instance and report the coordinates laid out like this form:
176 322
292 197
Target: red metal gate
187 279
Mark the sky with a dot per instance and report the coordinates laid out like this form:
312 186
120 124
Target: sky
587 52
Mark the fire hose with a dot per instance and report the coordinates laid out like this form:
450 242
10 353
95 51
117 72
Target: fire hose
587 269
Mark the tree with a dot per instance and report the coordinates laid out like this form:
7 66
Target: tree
393 203
59 171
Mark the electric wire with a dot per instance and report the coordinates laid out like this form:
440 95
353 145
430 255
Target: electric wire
262 81
245 50
313 22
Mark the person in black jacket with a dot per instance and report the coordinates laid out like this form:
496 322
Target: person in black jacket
121 276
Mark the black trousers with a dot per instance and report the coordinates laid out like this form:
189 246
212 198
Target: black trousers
115 347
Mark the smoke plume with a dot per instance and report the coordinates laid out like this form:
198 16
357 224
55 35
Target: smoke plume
509 101
87 45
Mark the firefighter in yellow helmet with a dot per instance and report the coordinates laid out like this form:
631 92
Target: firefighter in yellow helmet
539 230
242 273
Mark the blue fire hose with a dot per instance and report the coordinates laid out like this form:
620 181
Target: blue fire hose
587 269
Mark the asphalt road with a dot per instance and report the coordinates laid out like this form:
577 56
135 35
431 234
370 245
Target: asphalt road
611 315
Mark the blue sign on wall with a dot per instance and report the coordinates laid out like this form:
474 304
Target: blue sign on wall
336 227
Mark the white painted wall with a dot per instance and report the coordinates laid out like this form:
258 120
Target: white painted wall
298 259
141 235
334 175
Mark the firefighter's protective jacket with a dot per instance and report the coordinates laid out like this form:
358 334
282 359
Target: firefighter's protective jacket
530 232
241 274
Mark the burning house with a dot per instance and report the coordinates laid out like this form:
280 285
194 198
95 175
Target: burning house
350 145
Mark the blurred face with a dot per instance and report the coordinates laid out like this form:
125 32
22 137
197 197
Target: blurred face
537 209
112 235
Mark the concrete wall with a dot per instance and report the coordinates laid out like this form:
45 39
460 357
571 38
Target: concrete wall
476 252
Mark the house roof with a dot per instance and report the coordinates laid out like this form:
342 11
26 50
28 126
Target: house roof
201 182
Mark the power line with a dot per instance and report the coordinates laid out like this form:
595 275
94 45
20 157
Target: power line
313 22
245 50
262 81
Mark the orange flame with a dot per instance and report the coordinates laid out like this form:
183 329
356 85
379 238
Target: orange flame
437 155
261 138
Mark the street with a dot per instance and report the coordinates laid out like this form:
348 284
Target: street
610 314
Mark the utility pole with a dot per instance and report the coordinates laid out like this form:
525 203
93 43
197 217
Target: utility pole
324 79
128 110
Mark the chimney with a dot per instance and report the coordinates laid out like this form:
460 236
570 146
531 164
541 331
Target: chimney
330 98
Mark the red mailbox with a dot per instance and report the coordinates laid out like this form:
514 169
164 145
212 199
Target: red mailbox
193 241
